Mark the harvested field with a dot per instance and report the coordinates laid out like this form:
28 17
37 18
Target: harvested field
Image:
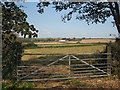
97 41
86 49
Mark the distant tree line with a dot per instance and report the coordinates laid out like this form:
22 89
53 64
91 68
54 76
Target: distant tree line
27 40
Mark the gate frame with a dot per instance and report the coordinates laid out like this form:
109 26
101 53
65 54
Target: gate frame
109 60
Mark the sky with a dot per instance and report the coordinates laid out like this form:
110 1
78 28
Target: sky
50 24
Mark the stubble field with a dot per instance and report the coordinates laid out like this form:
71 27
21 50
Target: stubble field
64 49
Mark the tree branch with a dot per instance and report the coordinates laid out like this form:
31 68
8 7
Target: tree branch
115 13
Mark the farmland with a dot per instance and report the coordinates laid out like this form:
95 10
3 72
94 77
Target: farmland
97 41
71 47
64 48
52 41
80 46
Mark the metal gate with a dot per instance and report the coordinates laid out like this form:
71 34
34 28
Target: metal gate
65 67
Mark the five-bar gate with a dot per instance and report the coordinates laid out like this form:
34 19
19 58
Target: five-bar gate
65 67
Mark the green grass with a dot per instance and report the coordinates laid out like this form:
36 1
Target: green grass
14 85
81 49
64 45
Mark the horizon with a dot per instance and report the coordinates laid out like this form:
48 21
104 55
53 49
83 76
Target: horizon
72 37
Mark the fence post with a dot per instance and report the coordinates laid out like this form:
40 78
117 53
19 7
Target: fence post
69 63
109 60
17 74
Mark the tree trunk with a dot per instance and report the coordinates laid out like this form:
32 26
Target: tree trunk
114 7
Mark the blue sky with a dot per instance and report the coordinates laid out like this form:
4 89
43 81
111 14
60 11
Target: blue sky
50 24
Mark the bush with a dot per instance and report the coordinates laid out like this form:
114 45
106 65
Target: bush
115 50
30 44
11 56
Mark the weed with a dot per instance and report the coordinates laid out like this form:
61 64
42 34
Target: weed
13 85
77 83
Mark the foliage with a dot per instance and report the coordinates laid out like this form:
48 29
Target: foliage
115 48
13 23
14 20
17 85
12 51
26 40
91 12
30 44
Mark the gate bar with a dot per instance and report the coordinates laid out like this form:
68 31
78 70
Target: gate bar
66 78
64 75
67 54
65 69
90 65
43 67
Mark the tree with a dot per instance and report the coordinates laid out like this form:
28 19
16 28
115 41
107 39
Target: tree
91 12
116 56
13 23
